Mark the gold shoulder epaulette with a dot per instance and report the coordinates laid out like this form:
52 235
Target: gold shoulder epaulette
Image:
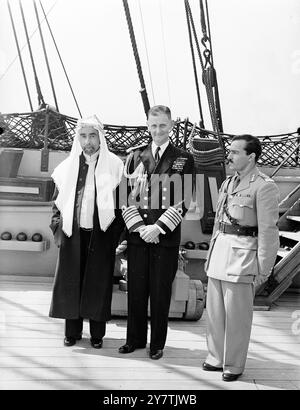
131 149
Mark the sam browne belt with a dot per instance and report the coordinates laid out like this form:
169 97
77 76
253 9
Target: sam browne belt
238 229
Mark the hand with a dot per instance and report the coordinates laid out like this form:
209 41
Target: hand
57 232
58 238
139 229
150 234
121 247
259 280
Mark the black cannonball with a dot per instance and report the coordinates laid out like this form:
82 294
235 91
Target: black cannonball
189 245
203 246
6 236
21 236
37 237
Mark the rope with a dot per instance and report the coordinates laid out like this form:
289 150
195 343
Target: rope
211 61
165 54
194 66
45 54
37 84
202 19
143 90
59 55
22 48
209 33
204 158
147 55
189 12
208 78
19 54
205 79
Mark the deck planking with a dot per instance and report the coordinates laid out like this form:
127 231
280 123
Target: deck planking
32 355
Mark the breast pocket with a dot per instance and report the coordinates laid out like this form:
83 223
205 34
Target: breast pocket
240 205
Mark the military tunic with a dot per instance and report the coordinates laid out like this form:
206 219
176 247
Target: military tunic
253 203
233 263
161 195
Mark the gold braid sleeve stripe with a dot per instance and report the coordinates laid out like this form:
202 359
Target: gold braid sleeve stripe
169 219
132 218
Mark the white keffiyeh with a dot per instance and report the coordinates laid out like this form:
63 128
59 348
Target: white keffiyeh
108 173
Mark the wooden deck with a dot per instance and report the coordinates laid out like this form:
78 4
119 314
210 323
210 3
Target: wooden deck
32 355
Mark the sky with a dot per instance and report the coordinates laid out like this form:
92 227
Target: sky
256 50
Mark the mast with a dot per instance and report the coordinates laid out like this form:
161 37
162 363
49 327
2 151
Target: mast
217 96
143 90
45 54
19 54
41 101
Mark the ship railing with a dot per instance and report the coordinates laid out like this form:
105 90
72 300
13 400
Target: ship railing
51 130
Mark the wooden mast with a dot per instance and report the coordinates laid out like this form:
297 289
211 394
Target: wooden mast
143 90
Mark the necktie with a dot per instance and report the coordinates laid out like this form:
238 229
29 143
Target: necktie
157 156
235 182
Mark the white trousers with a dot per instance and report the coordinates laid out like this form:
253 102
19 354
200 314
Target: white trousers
229 309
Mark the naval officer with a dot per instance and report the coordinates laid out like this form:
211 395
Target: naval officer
162 177
242 253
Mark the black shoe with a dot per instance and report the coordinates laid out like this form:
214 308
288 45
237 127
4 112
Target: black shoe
71 340
127 348
210 368
230 377
96 343
156 354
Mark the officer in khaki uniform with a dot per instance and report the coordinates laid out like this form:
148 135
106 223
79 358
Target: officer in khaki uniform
242 253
